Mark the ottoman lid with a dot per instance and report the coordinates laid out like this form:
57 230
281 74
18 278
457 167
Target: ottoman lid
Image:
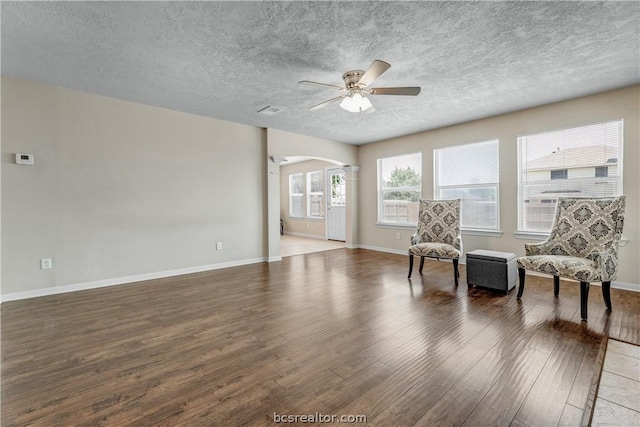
491 255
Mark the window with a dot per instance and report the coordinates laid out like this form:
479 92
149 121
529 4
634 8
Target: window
315 194
296 195
470 173
602 171
338 188
399 189
577 162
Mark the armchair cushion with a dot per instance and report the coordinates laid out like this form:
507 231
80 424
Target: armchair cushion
434 250
581 269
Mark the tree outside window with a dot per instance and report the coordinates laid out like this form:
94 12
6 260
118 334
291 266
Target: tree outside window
400 189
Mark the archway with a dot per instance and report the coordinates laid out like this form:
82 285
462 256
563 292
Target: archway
281 144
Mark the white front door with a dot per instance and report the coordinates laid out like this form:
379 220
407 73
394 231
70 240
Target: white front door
336 201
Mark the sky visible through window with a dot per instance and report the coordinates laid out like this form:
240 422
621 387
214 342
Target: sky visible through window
409 160
544 144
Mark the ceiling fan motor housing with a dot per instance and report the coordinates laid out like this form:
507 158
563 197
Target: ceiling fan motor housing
351 79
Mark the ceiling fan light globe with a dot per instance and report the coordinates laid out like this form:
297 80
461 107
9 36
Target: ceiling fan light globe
347 104
366 104
355 103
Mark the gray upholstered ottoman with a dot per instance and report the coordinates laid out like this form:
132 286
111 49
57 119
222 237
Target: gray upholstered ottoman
491 269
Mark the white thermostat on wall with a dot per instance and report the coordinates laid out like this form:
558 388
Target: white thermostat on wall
24 159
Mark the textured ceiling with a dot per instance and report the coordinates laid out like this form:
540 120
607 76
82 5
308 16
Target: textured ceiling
229 59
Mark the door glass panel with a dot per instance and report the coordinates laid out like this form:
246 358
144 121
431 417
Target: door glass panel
338 190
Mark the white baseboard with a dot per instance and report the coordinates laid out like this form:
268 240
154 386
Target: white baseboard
351 246
387 250
308 236
124 280
274 259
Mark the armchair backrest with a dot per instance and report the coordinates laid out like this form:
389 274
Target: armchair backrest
583 227
439 221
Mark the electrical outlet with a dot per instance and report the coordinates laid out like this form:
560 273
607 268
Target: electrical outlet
45 264
218 246
398 236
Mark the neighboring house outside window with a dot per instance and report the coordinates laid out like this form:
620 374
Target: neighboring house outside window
296 195
577 162
470 173
399 189
315 194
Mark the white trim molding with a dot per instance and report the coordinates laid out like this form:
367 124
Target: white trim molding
125 280
387 250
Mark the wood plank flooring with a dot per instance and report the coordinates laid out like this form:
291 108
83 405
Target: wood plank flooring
341 332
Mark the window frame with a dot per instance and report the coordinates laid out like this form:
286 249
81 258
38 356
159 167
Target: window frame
521 232
496 185
381 190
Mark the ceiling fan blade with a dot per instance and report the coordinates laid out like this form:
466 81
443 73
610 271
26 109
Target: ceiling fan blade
410 91
309 82
374 71
325 103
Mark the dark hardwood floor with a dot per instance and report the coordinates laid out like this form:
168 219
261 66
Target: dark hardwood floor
339 333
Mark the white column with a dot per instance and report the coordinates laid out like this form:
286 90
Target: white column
351 176
273 209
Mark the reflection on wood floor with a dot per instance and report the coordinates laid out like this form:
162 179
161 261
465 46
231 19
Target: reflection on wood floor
340 332
295 245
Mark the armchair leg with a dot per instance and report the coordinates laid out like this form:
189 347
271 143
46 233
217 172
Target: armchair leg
584 297
410 264
556 285
421 263
521 280
606 294
456 273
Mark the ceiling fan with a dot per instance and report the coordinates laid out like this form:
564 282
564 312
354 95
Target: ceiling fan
356 84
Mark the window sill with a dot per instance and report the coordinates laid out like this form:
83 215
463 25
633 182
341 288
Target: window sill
486 233
530 235
392 225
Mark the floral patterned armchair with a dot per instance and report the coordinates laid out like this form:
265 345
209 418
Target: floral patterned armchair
438 233
582 245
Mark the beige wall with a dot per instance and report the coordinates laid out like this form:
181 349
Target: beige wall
602 107
300 226
121 189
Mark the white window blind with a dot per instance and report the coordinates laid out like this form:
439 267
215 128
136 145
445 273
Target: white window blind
591 164
315 194
296 195
471 173
399 189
